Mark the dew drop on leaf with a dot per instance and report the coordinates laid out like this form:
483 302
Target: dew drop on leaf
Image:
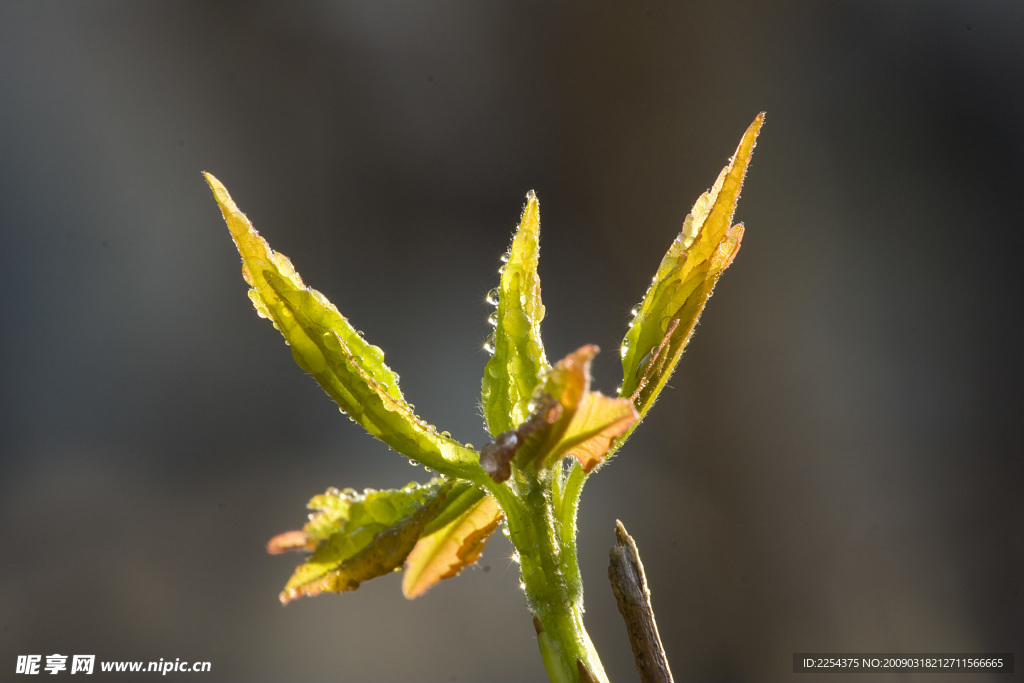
492 296
646 360
492 320
514 366
331 341
516 322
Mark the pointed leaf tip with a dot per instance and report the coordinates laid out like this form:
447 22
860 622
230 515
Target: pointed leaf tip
326 345
517 359
705 246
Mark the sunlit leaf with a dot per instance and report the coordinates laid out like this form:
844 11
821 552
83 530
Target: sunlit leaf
359 536
598 421
567 418
665 319
452 541
325 345
518 357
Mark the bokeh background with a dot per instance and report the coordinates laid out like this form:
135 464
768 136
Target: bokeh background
837 466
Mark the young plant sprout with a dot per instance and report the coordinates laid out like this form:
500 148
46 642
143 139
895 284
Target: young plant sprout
538 413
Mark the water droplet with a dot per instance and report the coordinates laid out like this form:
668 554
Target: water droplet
522 585
331 341
618 390
505 257
333 491
492 319
446 435
489 345
357 360
492 296
516 322
624 349
635 310
469 446
311 516
646 360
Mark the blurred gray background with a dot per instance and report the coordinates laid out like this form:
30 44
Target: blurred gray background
837 466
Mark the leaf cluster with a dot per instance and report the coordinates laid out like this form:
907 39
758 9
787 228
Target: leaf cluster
537 412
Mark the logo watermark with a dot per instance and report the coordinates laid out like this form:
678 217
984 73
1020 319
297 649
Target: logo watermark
86 664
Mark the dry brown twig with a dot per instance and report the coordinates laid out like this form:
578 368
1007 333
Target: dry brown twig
629 583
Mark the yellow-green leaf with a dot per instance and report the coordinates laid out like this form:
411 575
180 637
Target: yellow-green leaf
452 541
517 359
665 319
566 418
598 421
325 344
358 536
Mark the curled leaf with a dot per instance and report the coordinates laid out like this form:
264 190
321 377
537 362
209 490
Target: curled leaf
452 541
517 359
567 418
665 319
290 540
325 344
598 422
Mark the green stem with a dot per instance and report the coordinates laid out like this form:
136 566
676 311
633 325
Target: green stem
551 579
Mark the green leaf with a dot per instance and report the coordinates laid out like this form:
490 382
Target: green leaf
452 541
325 344
665 319
358 536
518 358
